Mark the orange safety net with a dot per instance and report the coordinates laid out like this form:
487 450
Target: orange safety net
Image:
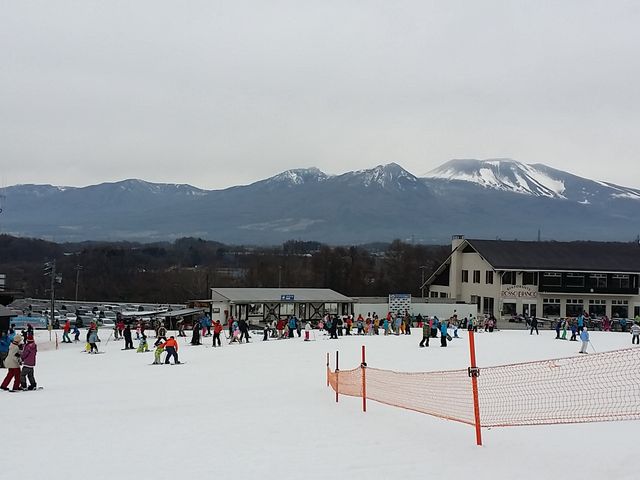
586 388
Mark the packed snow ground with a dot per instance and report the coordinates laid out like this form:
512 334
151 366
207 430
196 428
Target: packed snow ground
263 410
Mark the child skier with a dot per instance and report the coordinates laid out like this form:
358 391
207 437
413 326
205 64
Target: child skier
635 334
158 352
584 336
143 346
28 357
307 331
76 334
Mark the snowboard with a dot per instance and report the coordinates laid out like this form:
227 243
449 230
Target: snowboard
181 363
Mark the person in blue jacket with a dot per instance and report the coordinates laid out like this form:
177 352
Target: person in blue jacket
443 333
584 336
292 325
580 322
5 341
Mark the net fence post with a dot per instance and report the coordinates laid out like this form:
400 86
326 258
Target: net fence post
337 377
363 366
474 373
327 369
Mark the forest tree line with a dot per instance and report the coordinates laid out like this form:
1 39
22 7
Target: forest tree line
186 268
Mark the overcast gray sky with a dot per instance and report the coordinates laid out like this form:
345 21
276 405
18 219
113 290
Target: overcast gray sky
218 93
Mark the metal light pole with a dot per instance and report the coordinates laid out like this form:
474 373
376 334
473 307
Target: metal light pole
422 267
78 268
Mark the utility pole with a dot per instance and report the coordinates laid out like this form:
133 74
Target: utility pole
78 268
422 267
50 269
279 276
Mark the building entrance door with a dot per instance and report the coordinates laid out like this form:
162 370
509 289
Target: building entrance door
529 309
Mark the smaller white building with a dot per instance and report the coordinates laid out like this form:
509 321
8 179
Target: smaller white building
259 305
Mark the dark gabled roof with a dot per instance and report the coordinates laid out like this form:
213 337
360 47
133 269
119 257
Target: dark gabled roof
564 256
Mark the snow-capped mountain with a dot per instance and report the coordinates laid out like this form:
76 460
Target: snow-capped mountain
537 180
481 198
501 174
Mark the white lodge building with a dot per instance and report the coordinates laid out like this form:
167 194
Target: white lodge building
545 279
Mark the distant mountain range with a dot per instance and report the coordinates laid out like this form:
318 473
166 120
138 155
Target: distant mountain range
479 198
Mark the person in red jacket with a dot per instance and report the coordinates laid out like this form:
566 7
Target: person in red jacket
217 330
65 332
171 347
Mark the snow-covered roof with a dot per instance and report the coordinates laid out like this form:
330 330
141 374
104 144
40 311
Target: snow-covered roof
263 295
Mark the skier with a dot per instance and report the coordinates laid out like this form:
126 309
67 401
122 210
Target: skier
5 342
28 357
157 352
334 327
217 330
195 335
143 346
76 334
558 325
162 332
307 331
434 326
65 331
534 325
584 336
265 332
12 362
128 341
298 326
171 346
573 332
292 325
180 325
360 325
92 339
443 333
635 334
244 330
426 332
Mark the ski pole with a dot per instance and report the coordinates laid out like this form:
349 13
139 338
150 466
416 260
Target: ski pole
105 345
594 350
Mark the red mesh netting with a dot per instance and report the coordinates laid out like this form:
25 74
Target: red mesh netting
588 388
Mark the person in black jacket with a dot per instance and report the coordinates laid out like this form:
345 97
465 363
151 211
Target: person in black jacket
244 330
128 342
534 325
195 337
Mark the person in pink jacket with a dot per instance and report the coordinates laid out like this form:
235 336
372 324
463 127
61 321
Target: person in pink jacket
28 356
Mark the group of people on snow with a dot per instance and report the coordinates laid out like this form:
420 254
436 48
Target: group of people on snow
19 359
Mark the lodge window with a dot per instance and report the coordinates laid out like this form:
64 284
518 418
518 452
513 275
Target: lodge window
598 280
597 307
476 276
465 276
620 281
575 280
509 278
551 307
433 294
489 277
620 308
575 307
443 295
530 278
552 278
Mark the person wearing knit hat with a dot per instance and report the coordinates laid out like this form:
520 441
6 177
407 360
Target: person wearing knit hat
28 356
12 362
